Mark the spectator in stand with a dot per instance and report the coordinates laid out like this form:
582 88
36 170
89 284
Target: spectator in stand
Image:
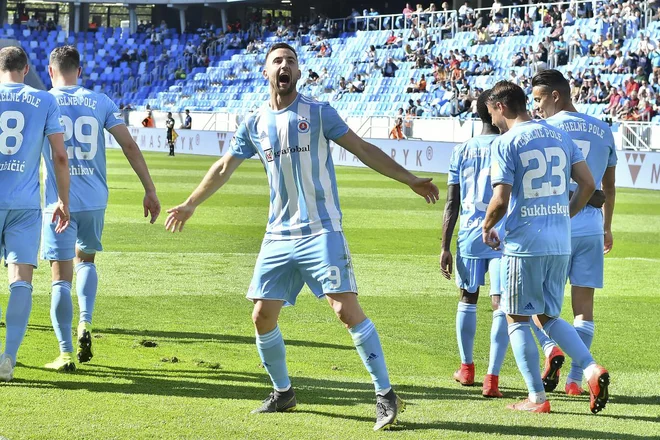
485 66
464 10
391 40
148 122
567 18
408 14
312 77
371 55
495 10
631 86
560 53
412 86
430 44
410 55
520 58
358 85
557 31
141 27
472 67
325 51
414 33
528 26
495 28
483 37
397 130
389 69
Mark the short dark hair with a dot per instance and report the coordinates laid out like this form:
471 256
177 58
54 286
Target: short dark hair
510 95
482 109
552 79
276 46
13 59
65 59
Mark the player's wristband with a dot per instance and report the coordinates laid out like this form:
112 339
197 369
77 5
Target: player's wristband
597 199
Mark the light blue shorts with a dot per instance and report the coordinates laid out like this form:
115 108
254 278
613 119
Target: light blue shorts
471 274
21 231
587 261
284 266
84 232
534 285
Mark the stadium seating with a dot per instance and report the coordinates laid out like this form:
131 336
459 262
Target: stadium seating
233 81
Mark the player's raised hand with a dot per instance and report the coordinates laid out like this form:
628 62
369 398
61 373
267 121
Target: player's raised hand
178 216
446 263
151 206
492 239
61 216
608 242
425 188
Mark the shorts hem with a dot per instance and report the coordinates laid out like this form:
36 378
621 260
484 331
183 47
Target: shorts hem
583 285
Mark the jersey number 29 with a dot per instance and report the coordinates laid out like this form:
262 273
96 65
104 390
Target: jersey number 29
76 131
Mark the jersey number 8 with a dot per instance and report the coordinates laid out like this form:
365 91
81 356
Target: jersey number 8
7 132
76 131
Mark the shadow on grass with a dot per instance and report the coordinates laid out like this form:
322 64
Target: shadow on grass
221 384
194 337
541 431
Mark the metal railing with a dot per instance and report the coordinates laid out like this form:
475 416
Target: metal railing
638 135
436 20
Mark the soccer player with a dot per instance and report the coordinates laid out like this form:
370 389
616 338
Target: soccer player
469 189
85 114
532 163
27 116
169 123
591 228
304 242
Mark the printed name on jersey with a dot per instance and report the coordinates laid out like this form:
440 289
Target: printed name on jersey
543 210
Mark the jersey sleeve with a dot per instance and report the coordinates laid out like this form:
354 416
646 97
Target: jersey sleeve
612 159
503 168
334 126
241 145
453 177
113 116
54 121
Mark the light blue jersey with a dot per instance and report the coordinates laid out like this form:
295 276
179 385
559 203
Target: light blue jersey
294 146
535 159
27 116
85 114
470 169
595 140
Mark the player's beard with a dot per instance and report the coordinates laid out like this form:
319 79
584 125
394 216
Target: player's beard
284 88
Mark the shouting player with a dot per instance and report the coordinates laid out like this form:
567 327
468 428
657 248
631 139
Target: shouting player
469 189
532 163
591 234
304 242
27 117
85 114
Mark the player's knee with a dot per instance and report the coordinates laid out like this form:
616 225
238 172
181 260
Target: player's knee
469 298
347 314
495 302
263 321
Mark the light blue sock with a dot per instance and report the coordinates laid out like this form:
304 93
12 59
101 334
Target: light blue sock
61 314
568 340
18 314
273 357
545 342
367 343
87 282
585 329
499 342
466 328
527 355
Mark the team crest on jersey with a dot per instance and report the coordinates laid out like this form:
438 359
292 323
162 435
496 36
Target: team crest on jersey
269 155
303 126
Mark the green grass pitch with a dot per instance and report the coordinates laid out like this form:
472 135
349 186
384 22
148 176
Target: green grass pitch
185 292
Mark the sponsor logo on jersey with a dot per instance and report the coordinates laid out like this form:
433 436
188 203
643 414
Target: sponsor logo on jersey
271 155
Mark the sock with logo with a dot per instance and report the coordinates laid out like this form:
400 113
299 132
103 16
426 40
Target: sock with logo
18 314
499 342
367 343
527 356
545 342
585 329
273 357
87 282
568 340
466 328
61 314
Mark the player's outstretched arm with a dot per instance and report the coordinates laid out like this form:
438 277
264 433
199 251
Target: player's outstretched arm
495 212
448 224
608 208
215 178
581 174
375 159
134 155
62 178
